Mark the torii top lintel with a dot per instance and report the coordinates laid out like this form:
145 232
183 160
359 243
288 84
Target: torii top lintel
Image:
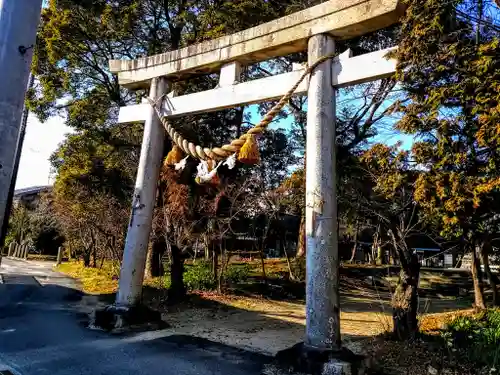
343 19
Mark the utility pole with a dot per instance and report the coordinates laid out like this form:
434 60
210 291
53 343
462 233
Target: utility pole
18 25
17 159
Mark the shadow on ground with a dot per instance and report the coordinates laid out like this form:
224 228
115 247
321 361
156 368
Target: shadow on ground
42 329
45 323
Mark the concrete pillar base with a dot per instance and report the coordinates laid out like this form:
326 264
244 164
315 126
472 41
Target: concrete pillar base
116 319
301 359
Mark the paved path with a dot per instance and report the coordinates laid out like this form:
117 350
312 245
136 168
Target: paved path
42 332
39 271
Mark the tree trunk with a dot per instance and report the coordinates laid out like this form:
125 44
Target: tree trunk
263 263
195 256
215 263
177 290
284 247
355 246
405 300
492 280
477 281
207 252
380 255
148 272
86 258
156 249
223 269
301 244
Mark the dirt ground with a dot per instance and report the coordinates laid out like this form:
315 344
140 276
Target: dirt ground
267 326
261 325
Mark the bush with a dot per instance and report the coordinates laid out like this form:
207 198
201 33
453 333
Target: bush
237 273
199 276
476 338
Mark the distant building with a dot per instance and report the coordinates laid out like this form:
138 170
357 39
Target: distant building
30 196
467 262
429 252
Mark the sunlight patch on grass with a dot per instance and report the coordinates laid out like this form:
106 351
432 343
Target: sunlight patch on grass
431 323
93 280
104 280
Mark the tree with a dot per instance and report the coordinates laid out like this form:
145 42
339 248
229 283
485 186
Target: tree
91 194
448 66
45 230
356 124
19 221
35 225
76 40
391 202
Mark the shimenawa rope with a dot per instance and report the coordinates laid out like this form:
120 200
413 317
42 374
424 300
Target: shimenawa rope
219 153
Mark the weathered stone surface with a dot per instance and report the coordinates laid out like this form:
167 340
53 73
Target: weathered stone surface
341 18
115 319
301 359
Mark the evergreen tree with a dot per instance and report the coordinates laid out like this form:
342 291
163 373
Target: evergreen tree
449 66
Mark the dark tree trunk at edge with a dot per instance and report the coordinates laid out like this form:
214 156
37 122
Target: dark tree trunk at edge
86 259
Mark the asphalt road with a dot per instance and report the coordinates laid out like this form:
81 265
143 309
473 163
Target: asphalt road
42 332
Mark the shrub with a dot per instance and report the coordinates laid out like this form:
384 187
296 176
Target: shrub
199 276
237 273
476 338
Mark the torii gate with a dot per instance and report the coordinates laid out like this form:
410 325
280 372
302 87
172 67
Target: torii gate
314 29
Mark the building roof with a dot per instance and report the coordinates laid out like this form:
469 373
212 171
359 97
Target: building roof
31 190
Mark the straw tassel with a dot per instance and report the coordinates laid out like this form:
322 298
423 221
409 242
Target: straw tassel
249 152
174 156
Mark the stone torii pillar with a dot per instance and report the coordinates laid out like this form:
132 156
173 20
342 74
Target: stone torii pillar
136 242
322 351
322 259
